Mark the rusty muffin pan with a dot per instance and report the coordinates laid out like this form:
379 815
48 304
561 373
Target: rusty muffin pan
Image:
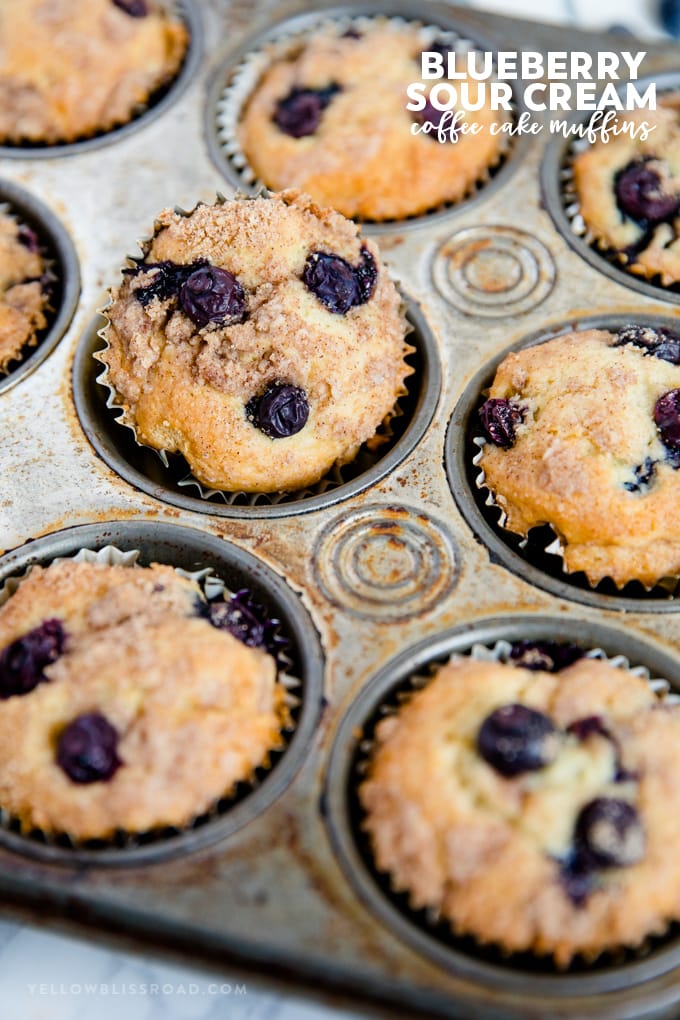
393 567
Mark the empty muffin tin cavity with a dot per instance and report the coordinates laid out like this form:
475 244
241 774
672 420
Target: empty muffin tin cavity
300 667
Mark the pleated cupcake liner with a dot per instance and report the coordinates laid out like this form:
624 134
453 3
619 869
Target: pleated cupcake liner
368 454
213 587
432 920
173 9
571 206
246 76
665 587
48 282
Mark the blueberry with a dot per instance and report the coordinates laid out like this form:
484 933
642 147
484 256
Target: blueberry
211 294
87 749
643 476
667 419
28 238
135 8
22 664
337 284
660 342
248 621
669 12
586 727
608 833
167 280
516 739
549 656
640 195
577 878
352 33
499 418
299 114
281 411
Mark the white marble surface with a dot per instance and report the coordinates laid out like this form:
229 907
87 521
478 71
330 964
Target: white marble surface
44 976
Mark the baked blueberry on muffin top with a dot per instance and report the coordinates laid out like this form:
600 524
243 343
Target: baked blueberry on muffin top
261 338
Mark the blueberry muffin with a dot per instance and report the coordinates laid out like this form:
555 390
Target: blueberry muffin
332 120
125 700
24 289
629 193
534 810
71 68
584 435
260 338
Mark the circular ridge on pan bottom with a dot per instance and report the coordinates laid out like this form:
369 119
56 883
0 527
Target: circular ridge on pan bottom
142 467
531 561
158 102
191 549
60 254
523 975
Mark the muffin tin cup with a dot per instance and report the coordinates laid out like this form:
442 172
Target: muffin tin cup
561 201
164 97
167 476
463 957
219 568
60 254
243 69
538 556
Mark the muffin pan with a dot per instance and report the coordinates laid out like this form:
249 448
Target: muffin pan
395 566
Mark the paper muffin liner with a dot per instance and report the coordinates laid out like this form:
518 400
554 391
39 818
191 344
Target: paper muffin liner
48 282
664 588
287 43
580 228
213 587
369 453
173 9
431 919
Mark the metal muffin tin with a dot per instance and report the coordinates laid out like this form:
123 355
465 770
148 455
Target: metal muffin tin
397 566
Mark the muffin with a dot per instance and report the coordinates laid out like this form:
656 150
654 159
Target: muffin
629 192
125 701
584 435
535 811
72 68
331 120
24 294
261 338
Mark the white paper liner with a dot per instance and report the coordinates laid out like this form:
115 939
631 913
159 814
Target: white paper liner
572 209
213 587
338 473
499 651
670 585
246 76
